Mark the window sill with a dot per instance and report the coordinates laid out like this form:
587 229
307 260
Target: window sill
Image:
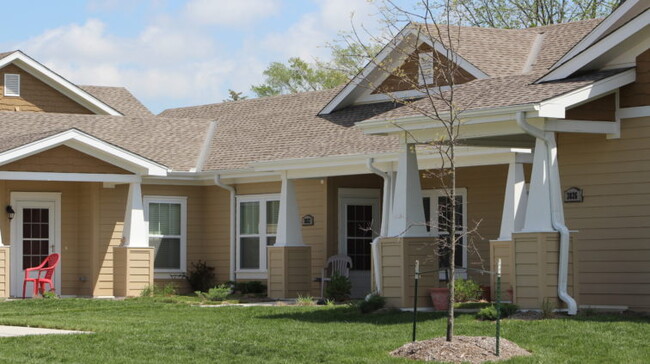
169 275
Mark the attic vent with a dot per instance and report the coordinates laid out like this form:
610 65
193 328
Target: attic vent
426 68
12 84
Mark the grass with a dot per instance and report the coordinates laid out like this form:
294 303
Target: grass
148 330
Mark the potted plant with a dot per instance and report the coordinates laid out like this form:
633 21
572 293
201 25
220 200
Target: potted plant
440 298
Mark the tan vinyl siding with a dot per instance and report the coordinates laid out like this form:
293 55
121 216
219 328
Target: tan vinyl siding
289 271
35 95
216 228
485 192
133 270
4 271
613 222
63 159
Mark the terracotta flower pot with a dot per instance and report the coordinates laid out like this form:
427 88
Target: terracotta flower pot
440 298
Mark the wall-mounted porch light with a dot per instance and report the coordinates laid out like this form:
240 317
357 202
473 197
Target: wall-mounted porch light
10 212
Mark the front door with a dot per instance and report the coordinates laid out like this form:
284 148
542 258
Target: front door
359 224
35 232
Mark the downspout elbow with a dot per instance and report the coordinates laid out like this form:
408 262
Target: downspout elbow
233 243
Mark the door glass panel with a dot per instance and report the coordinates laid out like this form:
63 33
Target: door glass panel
35 239
359 235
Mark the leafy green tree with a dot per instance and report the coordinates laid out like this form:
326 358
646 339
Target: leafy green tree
528 13
234 96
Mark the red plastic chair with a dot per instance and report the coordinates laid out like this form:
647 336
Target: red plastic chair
46 267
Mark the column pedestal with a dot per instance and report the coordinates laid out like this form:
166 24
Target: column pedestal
5 283
397 260
132 270
289 271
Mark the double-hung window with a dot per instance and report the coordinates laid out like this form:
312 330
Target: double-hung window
167 222
437 213
257 225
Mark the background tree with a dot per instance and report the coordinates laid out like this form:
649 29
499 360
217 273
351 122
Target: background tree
234 96
528 13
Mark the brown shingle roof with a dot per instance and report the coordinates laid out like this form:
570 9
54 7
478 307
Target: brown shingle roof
174 143
498 92
285 127
120 99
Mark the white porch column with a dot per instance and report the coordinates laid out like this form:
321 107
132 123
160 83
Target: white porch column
135 230
515 201
538 211
407 219
289 227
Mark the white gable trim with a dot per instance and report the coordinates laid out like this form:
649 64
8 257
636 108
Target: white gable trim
597 32
371 67
89 145
599 48
58 83
556 107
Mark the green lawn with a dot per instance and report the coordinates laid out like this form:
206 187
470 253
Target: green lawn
146 330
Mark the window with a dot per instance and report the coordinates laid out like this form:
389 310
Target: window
12 84
437 212
167 221
253 236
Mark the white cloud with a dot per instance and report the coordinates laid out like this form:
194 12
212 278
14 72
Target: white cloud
229 12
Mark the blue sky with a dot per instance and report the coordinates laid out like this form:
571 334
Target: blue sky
173 53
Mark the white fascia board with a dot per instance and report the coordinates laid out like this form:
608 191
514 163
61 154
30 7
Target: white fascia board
59 83
366 71
69 177
598 49
633 112
556 107
419 122
597 32
90 145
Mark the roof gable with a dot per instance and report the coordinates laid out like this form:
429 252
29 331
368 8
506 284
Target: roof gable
57 82
63 159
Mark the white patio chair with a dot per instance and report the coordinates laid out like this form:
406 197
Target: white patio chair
340 264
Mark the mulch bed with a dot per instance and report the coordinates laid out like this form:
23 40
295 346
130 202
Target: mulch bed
463 349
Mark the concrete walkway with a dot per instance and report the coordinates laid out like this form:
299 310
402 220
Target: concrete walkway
10 331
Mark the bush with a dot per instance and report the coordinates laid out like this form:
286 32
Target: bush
156 291
218 293
338 288
305 301
201 276
467 290
252 287
548 308
372 303
490 313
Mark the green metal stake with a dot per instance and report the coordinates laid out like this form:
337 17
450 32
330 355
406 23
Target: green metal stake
415 297
498 304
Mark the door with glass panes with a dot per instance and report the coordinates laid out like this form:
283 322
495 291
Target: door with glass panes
359 221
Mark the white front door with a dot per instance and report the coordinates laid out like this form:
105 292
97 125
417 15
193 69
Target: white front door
358 226
35 233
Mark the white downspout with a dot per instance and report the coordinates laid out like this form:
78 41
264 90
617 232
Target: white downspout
233 243
557 216
384 221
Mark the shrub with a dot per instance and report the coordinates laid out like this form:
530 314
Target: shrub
49 295
372 303
250 287
490 313
165 291
467 290
200 276
548 308
305 301
338 288
218 293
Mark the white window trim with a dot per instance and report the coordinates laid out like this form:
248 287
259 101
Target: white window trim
182 200
6 93
262 272
434 231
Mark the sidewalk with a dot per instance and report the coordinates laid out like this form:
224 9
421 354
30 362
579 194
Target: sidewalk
9 331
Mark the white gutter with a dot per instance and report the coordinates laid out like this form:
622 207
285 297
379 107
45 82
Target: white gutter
233 243
384 221
557 217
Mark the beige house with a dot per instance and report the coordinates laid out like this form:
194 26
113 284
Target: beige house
555 165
